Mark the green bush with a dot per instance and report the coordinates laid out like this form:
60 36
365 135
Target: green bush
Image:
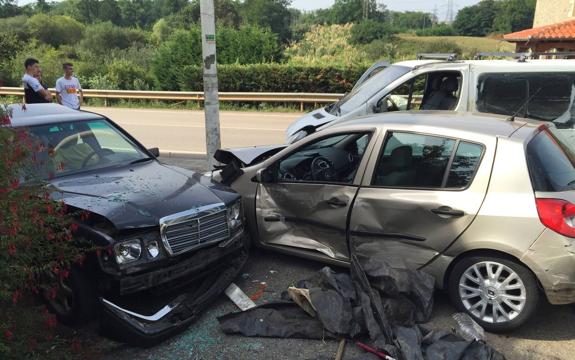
55 30
248 44
101 38
368 31
16 26
128 76
275 78
439 30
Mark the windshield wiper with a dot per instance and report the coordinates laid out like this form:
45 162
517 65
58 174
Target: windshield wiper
141 160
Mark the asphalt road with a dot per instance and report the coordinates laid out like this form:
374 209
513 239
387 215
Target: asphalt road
183 132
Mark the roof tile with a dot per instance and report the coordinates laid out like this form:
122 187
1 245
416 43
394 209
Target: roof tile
560 31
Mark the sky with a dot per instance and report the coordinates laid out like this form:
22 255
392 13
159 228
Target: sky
399 5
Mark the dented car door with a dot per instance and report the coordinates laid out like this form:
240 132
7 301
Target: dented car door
303 199
420 193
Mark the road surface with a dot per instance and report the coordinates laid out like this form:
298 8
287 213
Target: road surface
182 131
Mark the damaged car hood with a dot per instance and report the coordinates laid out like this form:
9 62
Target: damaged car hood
136 196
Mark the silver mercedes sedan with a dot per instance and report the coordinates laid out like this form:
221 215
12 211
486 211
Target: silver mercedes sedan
484 203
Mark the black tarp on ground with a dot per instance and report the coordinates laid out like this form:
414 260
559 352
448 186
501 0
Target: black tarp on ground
375 302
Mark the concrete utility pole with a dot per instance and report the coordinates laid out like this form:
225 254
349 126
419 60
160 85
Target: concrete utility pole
211 102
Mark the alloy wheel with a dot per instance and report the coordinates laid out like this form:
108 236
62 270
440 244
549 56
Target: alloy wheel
492 292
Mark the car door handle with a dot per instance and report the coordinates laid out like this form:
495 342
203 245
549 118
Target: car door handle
335 202
447 210
273 218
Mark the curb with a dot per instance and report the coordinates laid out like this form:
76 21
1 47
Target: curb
183 155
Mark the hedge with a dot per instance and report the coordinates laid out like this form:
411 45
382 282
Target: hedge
275 78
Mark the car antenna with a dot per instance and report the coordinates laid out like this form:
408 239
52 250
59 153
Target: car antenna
512 117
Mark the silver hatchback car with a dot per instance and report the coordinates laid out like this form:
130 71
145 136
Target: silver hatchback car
484 203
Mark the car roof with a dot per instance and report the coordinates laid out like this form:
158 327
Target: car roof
445 123
487 65
39 114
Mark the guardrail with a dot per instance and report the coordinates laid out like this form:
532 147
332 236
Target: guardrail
301 98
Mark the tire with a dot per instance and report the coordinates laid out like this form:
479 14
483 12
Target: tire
76 301
474 285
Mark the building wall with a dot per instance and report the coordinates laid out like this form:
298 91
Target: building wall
553 11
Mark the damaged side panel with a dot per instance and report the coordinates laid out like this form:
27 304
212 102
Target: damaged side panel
304 215
552 259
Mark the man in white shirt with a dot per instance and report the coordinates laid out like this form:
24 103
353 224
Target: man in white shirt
34 92
68 87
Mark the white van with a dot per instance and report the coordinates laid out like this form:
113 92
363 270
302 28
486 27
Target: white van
537 89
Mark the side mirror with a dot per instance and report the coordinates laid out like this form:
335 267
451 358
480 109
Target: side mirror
380 106
263 176
155 152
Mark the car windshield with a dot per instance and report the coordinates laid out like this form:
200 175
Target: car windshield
79 146
370 87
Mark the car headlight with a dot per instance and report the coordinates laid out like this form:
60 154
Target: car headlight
297 136
128 251
153 249
235 215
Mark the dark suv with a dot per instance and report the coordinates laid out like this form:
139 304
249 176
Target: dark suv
170 239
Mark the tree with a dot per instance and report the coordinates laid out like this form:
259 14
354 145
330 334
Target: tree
476 20
103 37
8 8
368 31
55 30
514 15
227 13
109 11
411 20
273 14
352 11
88 10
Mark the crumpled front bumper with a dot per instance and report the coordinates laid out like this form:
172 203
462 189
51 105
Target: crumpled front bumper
137 329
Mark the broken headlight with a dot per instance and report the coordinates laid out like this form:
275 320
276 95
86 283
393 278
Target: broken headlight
235 215
128 251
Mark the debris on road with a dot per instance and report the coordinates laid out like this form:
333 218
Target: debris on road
369 349
239 297
340 350
302 298
260 292
376 302
468 328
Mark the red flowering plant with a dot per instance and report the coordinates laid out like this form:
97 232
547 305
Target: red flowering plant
37 247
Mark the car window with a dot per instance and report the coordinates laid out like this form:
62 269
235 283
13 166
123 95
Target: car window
413 161
551 160
334 159
78 146
437 90
464 165
542 96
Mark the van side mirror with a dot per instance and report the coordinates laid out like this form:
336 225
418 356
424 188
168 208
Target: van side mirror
155 152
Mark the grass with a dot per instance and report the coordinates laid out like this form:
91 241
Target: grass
469 45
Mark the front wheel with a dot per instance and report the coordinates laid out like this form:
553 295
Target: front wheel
499 293
75 300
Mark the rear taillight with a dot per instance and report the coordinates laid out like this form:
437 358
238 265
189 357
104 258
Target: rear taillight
558 215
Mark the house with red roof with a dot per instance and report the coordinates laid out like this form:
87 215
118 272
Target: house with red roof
554 28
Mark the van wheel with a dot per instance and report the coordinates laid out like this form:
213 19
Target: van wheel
498 293
75 300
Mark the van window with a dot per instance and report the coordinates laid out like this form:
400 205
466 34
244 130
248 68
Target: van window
552 95
551 160
438 90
